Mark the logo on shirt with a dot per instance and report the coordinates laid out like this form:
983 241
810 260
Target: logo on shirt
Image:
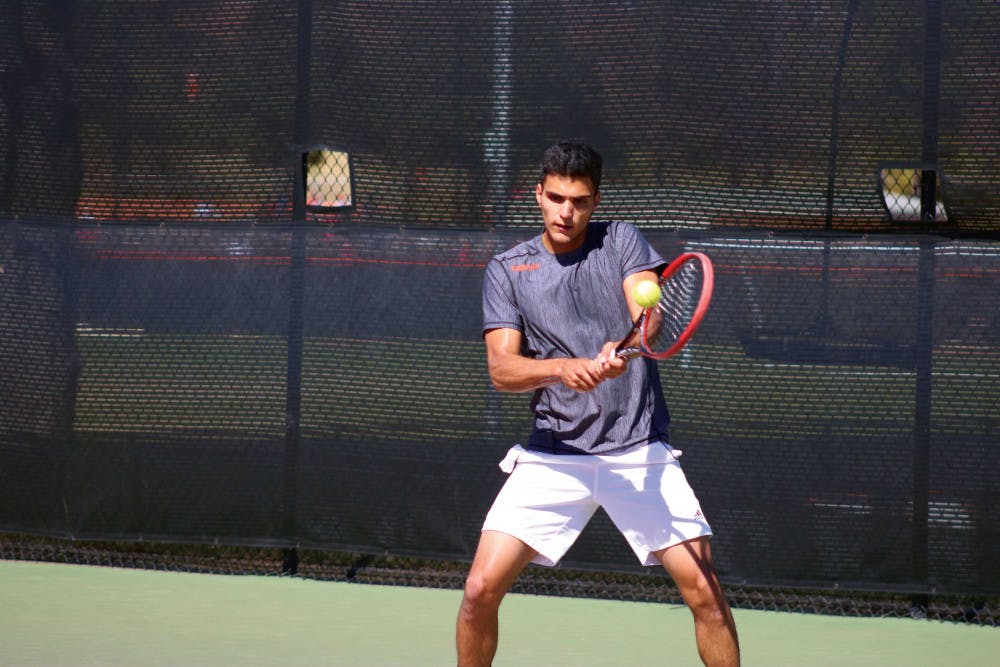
525 267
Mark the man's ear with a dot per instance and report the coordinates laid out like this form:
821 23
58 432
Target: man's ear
538 193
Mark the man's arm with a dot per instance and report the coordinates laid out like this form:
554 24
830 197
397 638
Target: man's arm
511 371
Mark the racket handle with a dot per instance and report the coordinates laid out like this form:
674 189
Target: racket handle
632 352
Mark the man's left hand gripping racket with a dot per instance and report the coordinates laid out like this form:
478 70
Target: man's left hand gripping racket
664 328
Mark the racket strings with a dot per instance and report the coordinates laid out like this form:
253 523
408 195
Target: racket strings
676 307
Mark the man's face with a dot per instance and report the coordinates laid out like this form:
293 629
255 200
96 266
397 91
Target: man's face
567 202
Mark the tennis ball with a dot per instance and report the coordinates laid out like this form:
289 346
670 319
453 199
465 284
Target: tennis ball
646 293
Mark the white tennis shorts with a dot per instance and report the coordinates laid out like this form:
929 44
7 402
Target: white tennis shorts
549 498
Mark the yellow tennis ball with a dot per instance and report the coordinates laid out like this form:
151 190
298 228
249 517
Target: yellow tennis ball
646 293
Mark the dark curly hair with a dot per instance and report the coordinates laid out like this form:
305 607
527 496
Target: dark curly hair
572 158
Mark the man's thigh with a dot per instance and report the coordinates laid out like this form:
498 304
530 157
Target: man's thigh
499 559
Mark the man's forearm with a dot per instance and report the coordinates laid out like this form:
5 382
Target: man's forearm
516 373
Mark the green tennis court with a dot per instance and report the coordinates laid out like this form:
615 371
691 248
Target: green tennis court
57 615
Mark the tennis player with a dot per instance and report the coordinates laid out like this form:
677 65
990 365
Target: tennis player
553 307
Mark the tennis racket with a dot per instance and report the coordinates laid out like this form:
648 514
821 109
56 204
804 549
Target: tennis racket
665 328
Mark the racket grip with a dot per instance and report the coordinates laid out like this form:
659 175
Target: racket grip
632 352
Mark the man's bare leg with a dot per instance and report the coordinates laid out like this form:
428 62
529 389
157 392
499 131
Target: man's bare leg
499 560
690 566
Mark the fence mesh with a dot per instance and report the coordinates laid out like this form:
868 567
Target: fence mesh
241 246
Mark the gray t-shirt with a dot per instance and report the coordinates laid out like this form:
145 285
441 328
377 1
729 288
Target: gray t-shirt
568 306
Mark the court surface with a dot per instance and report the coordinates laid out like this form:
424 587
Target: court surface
56 615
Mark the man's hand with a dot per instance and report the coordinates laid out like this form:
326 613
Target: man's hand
610 365
581 374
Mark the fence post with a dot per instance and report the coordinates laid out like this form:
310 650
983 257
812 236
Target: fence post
925 300
296 294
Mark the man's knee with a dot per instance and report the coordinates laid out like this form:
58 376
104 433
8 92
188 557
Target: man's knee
482 594
703 594
707 602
